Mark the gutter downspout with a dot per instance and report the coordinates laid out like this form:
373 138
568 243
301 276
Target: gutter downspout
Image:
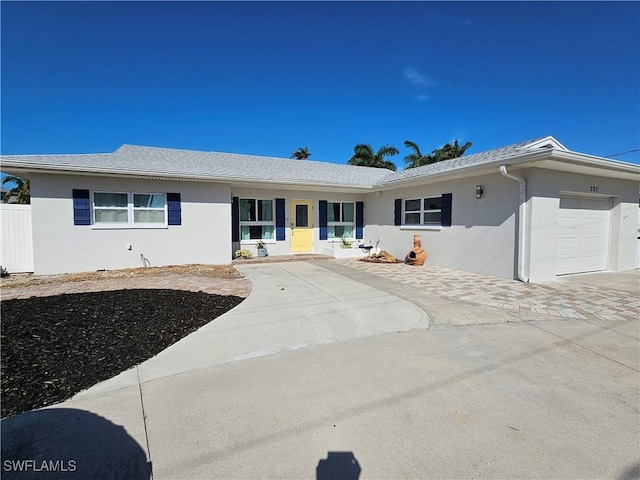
522 271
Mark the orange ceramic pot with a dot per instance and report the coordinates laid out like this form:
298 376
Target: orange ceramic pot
417 256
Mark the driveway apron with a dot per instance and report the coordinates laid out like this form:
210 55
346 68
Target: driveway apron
527 395
292 305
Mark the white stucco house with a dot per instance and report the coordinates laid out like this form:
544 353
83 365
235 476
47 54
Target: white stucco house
530 211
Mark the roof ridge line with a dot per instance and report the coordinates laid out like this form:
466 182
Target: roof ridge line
51 154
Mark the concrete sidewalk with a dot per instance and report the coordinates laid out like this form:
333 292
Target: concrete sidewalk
511 396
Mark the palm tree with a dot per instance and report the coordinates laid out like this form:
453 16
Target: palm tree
415 158
446 152
21 191
302 153
363 156
450 151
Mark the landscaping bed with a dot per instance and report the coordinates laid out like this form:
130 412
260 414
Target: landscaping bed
28 280
382 257
54 347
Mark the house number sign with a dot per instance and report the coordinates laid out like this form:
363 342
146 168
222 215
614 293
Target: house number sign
594 188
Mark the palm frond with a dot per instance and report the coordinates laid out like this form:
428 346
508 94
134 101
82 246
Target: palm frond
413 146
301 154
387 151
21 192
465 147
364 156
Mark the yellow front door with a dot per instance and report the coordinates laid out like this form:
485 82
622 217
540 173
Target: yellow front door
301 226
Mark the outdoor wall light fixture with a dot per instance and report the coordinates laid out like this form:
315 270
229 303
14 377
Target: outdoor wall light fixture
479 191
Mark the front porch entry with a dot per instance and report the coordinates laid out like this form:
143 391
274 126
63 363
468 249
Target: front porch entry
301 226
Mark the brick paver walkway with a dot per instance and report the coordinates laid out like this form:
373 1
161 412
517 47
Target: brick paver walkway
193 283
550 298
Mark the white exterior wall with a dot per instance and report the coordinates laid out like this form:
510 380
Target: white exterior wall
545 188
284 247
59 246
482 237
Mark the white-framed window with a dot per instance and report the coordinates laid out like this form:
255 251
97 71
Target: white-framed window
122 210
341 220
423 211
257 219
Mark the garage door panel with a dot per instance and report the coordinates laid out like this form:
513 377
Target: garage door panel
589 262
567 244
583 234
567 264
593 222
567 224
592 243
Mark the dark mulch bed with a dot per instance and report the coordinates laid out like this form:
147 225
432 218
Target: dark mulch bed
54 347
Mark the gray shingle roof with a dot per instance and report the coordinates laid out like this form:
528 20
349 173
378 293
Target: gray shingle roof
251 169
215 166
476 159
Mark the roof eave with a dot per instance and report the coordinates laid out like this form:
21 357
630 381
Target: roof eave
593 161
579 163
231 180
605 166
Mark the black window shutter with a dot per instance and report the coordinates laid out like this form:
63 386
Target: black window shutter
446 209
280 220
322 214
235 219
397 212
359 220
174 209
81 207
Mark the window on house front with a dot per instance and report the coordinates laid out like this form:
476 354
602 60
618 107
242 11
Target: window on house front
110 207
423 211
256 219
148 208
133 209
340 220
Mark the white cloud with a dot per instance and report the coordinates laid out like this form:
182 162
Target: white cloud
415 76
420 81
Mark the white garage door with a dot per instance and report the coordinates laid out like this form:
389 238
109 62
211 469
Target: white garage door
583 234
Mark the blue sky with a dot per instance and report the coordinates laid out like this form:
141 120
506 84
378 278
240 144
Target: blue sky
266 78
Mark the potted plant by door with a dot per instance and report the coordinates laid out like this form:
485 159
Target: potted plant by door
262 249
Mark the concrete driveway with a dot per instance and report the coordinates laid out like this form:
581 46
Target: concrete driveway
328 357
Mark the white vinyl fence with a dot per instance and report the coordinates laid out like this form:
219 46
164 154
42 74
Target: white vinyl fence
16 250
638 244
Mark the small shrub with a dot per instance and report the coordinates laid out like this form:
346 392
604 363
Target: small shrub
345 243
243 254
